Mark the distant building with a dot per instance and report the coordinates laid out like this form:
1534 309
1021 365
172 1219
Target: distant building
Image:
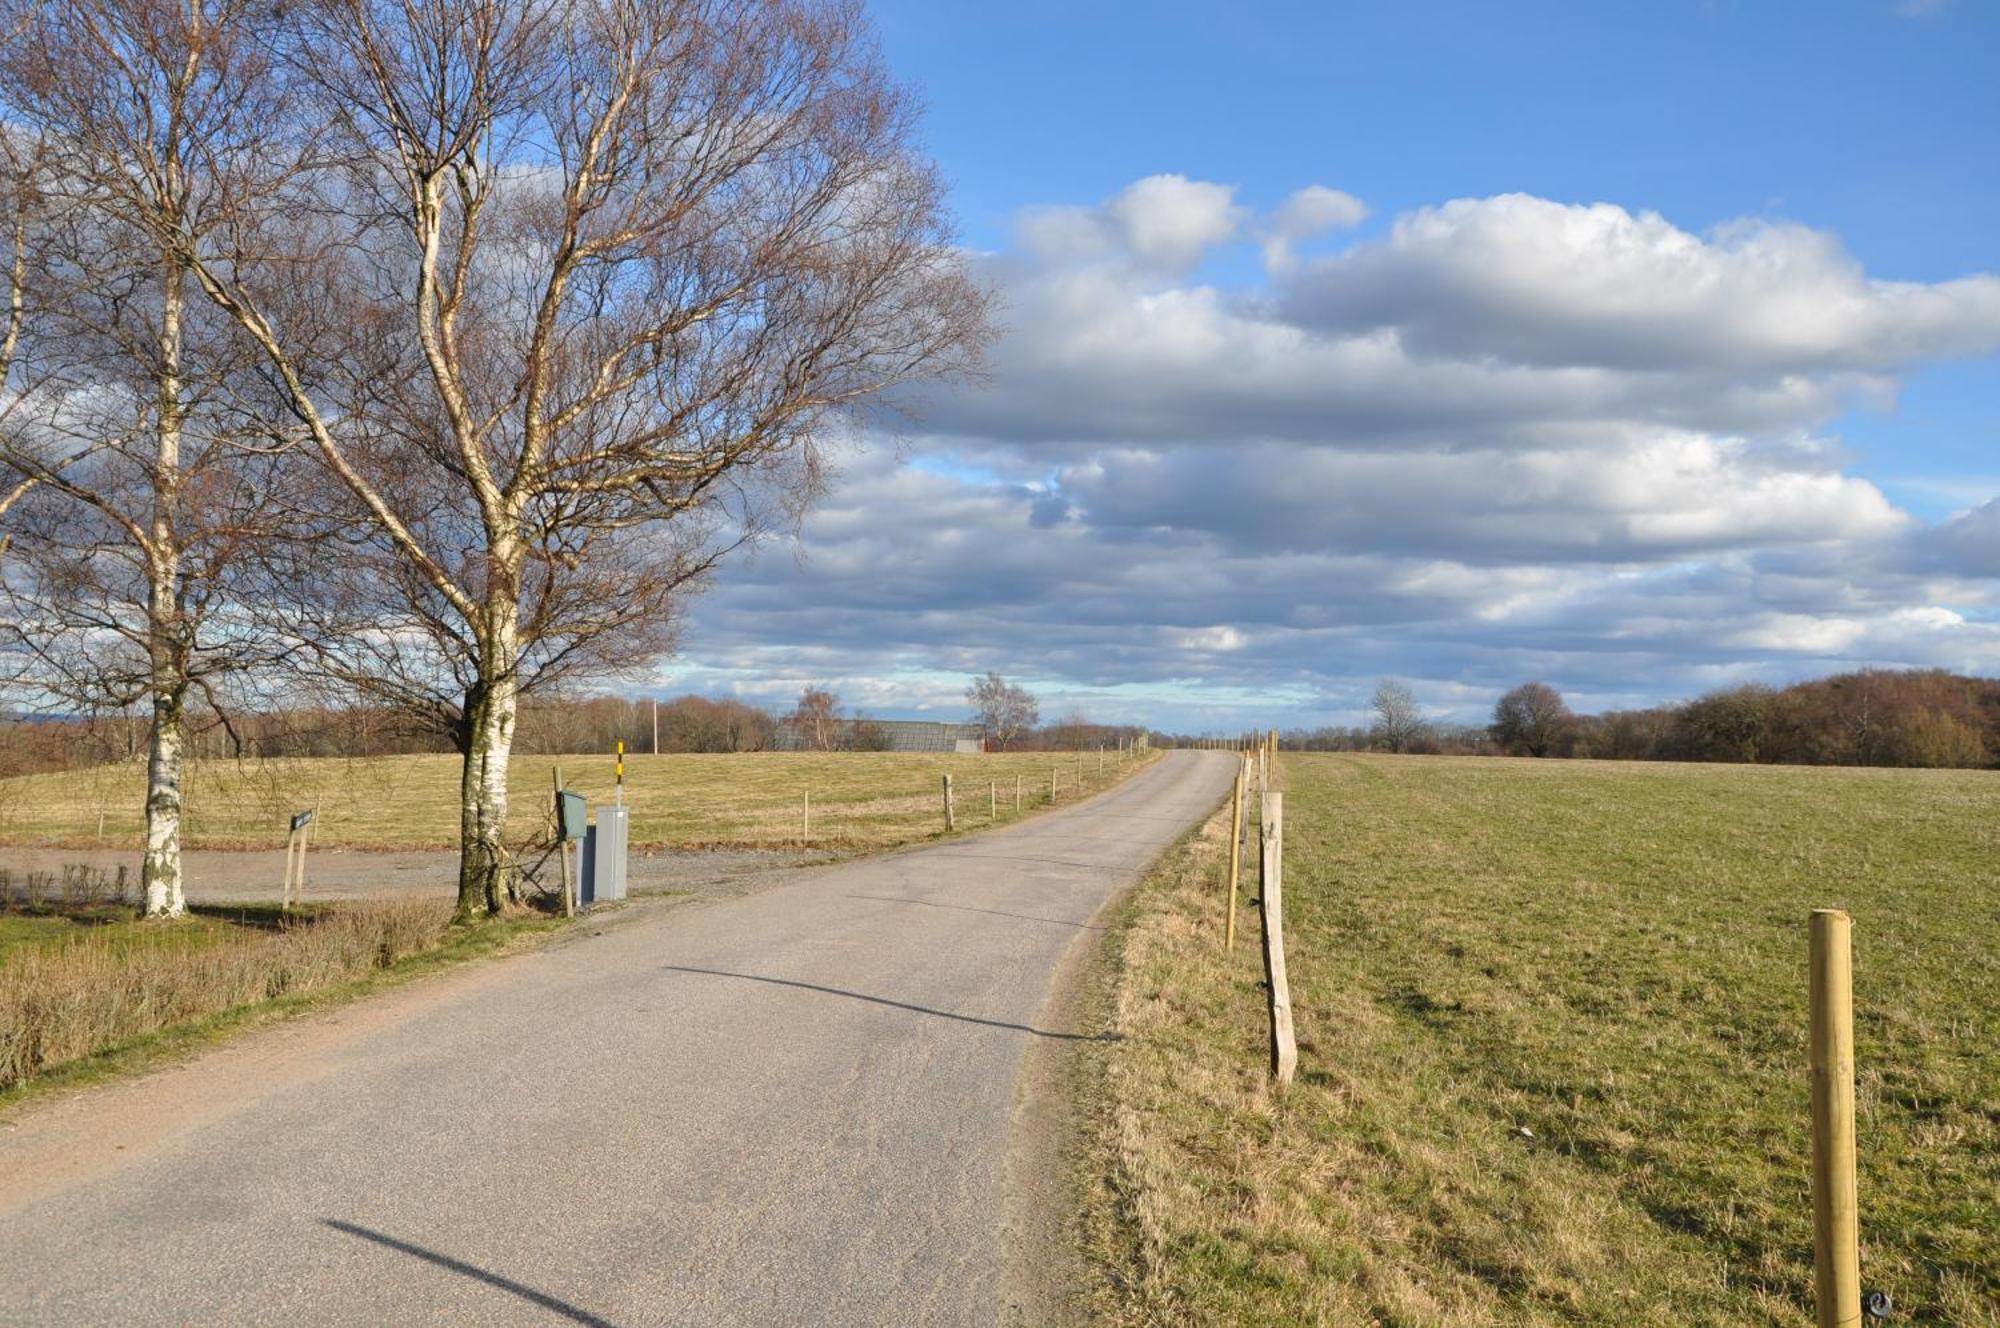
892 735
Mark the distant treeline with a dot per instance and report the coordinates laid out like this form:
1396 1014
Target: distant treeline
595 724
1881 717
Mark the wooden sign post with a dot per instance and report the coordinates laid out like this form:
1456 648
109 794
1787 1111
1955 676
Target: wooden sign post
295 858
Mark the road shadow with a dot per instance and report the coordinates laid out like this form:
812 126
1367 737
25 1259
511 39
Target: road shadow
898 1005
558 1307
968 908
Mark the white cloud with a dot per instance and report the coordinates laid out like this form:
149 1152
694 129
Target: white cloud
1312 211
1170 220
1163 223
1530 281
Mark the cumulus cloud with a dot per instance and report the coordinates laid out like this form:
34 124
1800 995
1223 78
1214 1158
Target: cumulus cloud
1511 437
1313 211
1530 281
1477 316
1163 223
1650 496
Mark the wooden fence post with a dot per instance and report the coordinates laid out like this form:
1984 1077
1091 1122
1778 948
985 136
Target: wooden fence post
1284 1051
1017 793
1052 785
1235 855
950 817
1836 1239
993 799
806 819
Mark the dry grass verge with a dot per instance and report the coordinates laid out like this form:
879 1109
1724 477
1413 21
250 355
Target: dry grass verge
78 985
1552 1052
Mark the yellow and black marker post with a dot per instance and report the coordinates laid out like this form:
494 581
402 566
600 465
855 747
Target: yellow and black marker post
621 772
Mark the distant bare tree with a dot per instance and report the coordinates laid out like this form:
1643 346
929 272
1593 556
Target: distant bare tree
1073 731
864 734
816 719
562 297
1002 709
1532 719
1399 720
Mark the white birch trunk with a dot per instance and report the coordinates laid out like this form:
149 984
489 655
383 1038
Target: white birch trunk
160 871
485 871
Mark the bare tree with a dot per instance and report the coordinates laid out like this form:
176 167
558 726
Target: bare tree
1399 720
563 295
1073 731
815 720
1003 710
138 437
1532 719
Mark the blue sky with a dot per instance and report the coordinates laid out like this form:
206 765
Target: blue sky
1849 148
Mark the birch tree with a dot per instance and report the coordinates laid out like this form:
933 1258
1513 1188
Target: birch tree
132 419
565 298
1003 710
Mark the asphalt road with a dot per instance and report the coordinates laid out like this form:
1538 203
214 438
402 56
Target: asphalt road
797 1106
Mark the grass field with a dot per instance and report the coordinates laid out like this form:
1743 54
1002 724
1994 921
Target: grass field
1552 1021
859 799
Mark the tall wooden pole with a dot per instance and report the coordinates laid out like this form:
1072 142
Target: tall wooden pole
950 815
1235 854
1284 1050
1836 1236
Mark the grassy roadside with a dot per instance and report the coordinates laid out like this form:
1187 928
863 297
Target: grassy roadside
84 1000
1609 958
861 801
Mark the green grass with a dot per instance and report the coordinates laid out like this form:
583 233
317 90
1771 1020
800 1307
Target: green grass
113 928
860 800
1611 957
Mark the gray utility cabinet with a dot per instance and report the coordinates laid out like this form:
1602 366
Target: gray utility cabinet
604 856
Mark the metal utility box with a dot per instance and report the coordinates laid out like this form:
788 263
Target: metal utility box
573 815
604 857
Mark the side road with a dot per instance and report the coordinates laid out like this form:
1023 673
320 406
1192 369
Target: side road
790 1107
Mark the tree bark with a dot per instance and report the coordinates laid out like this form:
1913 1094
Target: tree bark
486 871
160 872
